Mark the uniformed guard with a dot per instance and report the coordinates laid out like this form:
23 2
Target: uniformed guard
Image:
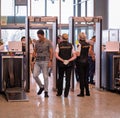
82 63
65 55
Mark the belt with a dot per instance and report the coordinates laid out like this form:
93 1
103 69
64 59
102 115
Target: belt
41 58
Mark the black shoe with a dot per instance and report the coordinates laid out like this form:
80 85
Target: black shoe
58 94
40 91
65 96
80 95
87 94
46 95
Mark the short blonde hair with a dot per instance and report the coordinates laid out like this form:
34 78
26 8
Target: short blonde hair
65 36
82 36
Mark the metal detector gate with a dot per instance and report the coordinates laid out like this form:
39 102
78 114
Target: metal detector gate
43 22
95 22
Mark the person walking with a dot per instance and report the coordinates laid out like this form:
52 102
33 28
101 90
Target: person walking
44 54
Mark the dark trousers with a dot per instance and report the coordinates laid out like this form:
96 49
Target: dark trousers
76 74
91 69
83 75
67 72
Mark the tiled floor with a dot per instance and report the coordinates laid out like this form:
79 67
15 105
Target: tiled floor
101 104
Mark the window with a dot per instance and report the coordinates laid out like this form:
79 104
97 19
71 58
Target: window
83 8
90 8
114 17
7 7
38 8
66 9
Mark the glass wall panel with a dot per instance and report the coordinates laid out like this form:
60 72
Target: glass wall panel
66 10
20 11
53 8
38 7
76 7
82 7
114 16
12 35
90 7
7 7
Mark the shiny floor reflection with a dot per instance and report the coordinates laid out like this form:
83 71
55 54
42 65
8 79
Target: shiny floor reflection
101 104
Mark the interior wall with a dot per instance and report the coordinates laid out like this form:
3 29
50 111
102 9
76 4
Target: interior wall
101 9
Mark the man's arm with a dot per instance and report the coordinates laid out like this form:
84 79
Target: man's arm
51 54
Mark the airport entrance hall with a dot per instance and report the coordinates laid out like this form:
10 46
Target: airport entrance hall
59 59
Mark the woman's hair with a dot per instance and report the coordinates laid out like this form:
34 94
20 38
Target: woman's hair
82 36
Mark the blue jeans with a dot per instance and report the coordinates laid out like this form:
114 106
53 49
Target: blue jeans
38 67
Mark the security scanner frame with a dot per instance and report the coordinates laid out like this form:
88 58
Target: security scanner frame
44 22
94 22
